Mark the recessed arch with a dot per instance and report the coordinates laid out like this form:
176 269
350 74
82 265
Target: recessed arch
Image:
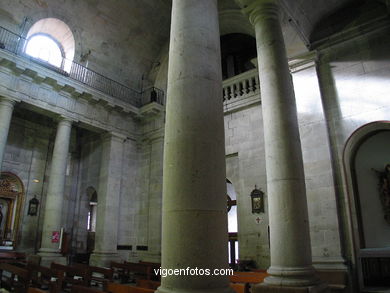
11 203
362 202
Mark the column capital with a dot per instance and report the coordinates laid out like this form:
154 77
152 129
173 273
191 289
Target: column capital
259 9
113 136
64 120
7 101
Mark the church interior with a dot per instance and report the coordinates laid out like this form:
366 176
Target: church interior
173 134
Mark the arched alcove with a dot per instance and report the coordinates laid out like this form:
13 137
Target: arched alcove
366 155
237 52
11 202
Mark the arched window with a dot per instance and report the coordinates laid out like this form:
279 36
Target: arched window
45 48
51 40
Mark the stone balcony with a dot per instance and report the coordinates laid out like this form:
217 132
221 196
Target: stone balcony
240 91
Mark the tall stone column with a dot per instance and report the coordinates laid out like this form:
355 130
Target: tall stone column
291 261
52 222
194 220
107 219
6 109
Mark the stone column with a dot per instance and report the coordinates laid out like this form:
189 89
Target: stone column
107 218
52 221
6 109
291 262
194 220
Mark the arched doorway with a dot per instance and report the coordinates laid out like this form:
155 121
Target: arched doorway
91 219
237 51
11 202
367 161
232 223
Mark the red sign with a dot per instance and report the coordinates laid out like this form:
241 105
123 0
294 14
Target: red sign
55 237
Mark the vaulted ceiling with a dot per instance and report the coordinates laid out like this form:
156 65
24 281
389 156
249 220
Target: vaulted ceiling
126 37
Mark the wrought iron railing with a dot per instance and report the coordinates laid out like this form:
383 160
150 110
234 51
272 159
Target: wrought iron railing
14 43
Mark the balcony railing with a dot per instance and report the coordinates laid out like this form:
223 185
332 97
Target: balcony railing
240 86
14 43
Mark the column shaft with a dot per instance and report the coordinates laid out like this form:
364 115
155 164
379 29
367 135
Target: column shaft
55 191
194 220
107 220
291 263
6 109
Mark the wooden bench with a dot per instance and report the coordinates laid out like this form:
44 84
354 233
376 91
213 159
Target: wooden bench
121 288
247 279
15 279
97 275
83 289
12 257
35 290
45 278
129 272
153 266
239 288
148 284
72 275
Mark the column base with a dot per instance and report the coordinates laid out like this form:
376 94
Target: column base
103 259
265 288
185 290
291 276
48 257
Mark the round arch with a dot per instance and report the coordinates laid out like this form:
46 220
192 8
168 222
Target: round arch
364 252
11 203
58 30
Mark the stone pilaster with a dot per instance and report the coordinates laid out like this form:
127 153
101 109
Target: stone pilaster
52 221
6 109
291 261
194 220
107 219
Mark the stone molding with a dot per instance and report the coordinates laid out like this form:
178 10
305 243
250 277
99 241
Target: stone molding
264 9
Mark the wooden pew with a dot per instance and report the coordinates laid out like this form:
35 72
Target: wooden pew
247 279
129 272
45 278
239 288
139 270
35 290
153 266
83 289
72 275
97 275
16 279
12 257
148 284
121 288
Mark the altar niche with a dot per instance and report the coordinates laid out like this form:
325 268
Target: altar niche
11 200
